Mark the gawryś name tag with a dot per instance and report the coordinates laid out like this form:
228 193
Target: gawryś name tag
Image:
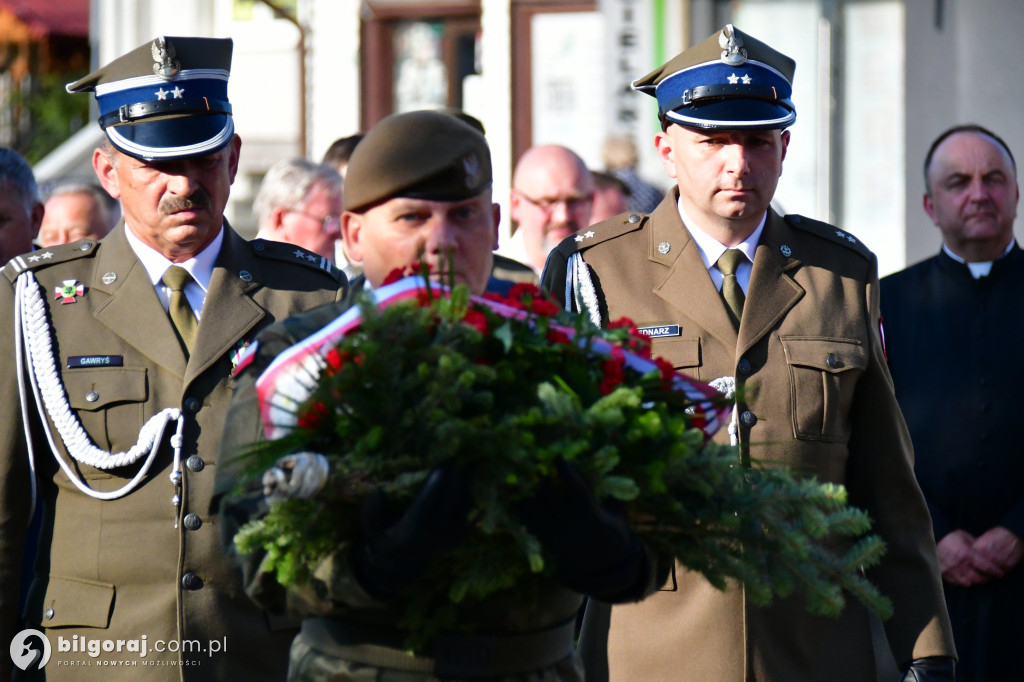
78 361
660 330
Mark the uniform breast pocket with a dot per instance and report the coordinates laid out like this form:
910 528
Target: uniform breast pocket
823 377
110 403
682 353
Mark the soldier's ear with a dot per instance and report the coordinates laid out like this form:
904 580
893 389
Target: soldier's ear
104 163
665 145
351 234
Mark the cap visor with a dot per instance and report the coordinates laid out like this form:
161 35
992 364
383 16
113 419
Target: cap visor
731 114
176 137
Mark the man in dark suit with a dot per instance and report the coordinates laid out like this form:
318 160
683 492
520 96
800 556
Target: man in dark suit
952 331
122 367
786 310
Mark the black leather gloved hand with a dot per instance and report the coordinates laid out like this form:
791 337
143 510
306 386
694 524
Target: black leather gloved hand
398 547
595 550
930 669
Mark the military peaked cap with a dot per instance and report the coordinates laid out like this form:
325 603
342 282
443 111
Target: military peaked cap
167 99
731 80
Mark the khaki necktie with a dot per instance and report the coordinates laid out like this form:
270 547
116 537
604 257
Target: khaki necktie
732 293
182 317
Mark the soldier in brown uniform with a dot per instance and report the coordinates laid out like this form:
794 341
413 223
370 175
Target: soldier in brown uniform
124 378
420 182
786 309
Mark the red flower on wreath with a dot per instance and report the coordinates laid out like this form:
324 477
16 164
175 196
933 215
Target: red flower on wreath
477 320
613 373
667 369
312 418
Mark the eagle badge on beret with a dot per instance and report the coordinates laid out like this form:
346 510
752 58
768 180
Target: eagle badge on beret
471 166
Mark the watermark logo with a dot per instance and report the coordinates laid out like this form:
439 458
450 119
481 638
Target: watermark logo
30 649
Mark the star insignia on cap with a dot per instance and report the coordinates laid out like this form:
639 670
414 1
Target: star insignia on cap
840 233
733 79
161 94
746 79
851 238
298 254
311 258
177 92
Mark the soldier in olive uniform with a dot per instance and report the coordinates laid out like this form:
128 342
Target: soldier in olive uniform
123 375
786 309
420 182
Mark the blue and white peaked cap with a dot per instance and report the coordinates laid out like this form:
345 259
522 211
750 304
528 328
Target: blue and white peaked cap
729 81
167 99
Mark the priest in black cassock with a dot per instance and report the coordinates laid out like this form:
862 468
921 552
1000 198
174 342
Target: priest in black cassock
954 337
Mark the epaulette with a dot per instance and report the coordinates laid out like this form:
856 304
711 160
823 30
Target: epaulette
611 228
829 232
41 258
290 253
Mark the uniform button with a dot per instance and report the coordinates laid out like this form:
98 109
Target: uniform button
192 521
258 246
85 246
191 581
191 405
92 396
195 463
744 366
633 218
748 418
49 614
831 361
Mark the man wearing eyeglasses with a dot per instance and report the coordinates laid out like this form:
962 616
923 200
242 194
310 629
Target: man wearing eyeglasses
552 193
299 202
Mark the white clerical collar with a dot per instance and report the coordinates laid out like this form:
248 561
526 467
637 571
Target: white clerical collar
711 249
199 266
982 269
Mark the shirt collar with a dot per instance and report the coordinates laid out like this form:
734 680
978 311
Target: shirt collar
199 266
711 249
980 269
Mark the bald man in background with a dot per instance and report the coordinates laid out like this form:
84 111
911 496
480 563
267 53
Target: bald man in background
552 195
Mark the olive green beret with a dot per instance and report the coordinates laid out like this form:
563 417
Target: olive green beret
419 154
730 80
167 99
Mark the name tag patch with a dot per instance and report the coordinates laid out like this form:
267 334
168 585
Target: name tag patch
660 330
77 361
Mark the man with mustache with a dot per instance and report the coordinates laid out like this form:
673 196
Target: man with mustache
122 369
785 310
957 310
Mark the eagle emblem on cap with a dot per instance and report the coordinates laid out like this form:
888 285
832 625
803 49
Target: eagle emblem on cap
471 166
733 53
164 63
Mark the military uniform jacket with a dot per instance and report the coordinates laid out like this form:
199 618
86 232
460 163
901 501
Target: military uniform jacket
816 396
121 569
